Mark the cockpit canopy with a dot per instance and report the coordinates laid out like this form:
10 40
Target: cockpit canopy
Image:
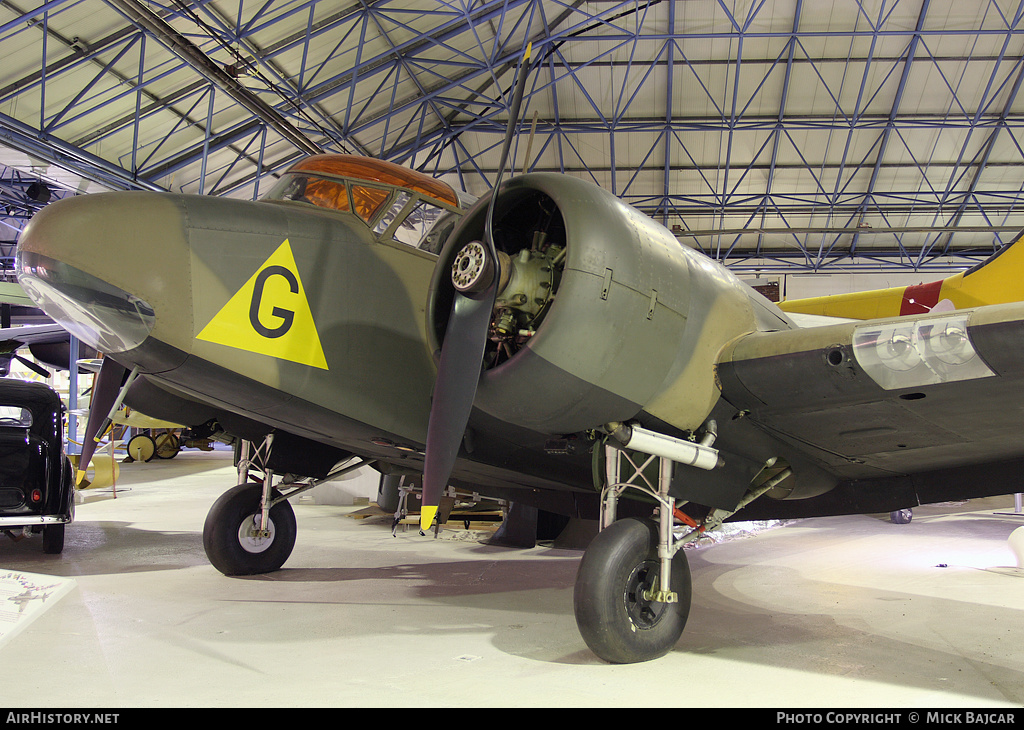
397 203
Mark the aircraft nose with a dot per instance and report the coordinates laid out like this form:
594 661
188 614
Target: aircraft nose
99 264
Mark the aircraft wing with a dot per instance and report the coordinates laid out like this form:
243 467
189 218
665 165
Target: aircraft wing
895 410
816 320
12 293
50 344
135 419
11 338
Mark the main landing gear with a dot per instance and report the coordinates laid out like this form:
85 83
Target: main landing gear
633 588
620 610
251 529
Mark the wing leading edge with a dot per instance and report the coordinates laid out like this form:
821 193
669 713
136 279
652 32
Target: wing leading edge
900 411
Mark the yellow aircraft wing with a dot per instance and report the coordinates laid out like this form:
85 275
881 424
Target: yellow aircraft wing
997 280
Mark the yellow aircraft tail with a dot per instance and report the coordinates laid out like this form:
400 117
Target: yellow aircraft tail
996 280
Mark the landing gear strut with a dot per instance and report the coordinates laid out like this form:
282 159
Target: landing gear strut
251 529
632 594
633 588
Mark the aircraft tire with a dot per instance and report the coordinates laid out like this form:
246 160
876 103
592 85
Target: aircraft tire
616 622
223 536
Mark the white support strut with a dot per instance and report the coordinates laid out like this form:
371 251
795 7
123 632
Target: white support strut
667 450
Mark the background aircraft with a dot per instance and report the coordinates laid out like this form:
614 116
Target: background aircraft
48 343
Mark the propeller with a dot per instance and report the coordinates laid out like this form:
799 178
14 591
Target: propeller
11 354
475 274
34 367
105 391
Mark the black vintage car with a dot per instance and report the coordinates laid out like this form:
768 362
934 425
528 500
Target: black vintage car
36 483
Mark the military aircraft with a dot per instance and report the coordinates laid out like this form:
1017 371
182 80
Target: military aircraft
48 343
547 344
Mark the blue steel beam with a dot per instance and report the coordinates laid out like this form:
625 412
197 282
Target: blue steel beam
989 145
462 93
372 67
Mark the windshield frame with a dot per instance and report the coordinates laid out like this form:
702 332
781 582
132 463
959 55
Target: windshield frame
417 195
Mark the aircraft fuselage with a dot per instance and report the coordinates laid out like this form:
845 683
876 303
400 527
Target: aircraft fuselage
279 313
303 302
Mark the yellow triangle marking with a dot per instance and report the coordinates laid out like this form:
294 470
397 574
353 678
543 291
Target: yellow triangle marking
270 315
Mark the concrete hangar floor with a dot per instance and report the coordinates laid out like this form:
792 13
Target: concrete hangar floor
833 612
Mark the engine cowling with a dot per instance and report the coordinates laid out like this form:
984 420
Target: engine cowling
600 312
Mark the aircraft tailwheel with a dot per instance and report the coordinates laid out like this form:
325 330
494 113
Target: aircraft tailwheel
902 516
616 620
232 537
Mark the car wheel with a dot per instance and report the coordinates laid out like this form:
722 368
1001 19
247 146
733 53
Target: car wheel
53 539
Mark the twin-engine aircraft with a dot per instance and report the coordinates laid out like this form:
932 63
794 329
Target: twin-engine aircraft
548 345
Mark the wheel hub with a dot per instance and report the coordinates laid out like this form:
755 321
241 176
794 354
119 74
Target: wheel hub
252 537
643 612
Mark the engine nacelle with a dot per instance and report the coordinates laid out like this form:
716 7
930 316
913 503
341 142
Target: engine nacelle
601 313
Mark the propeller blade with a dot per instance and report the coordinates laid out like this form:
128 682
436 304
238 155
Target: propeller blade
457 376
462 352
105 390
38 369
513 121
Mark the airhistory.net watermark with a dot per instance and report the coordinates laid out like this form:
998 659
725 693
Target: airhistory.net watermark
62 718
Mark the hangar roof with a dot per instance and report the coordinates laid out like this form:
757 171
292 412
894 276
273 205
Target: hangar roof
772 134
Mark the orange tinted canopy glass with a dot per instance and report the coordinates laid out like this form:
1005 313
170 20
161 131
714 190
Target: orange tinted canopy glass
381 171
327 194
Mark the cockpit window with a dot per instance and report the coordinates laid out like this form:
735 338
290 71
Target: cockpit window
415 226
397 205
311 189
400 205
327 194
368 200
289 187
332 194
409 223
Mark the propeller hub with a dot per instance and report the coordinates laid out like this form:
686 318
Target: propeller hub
473 269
